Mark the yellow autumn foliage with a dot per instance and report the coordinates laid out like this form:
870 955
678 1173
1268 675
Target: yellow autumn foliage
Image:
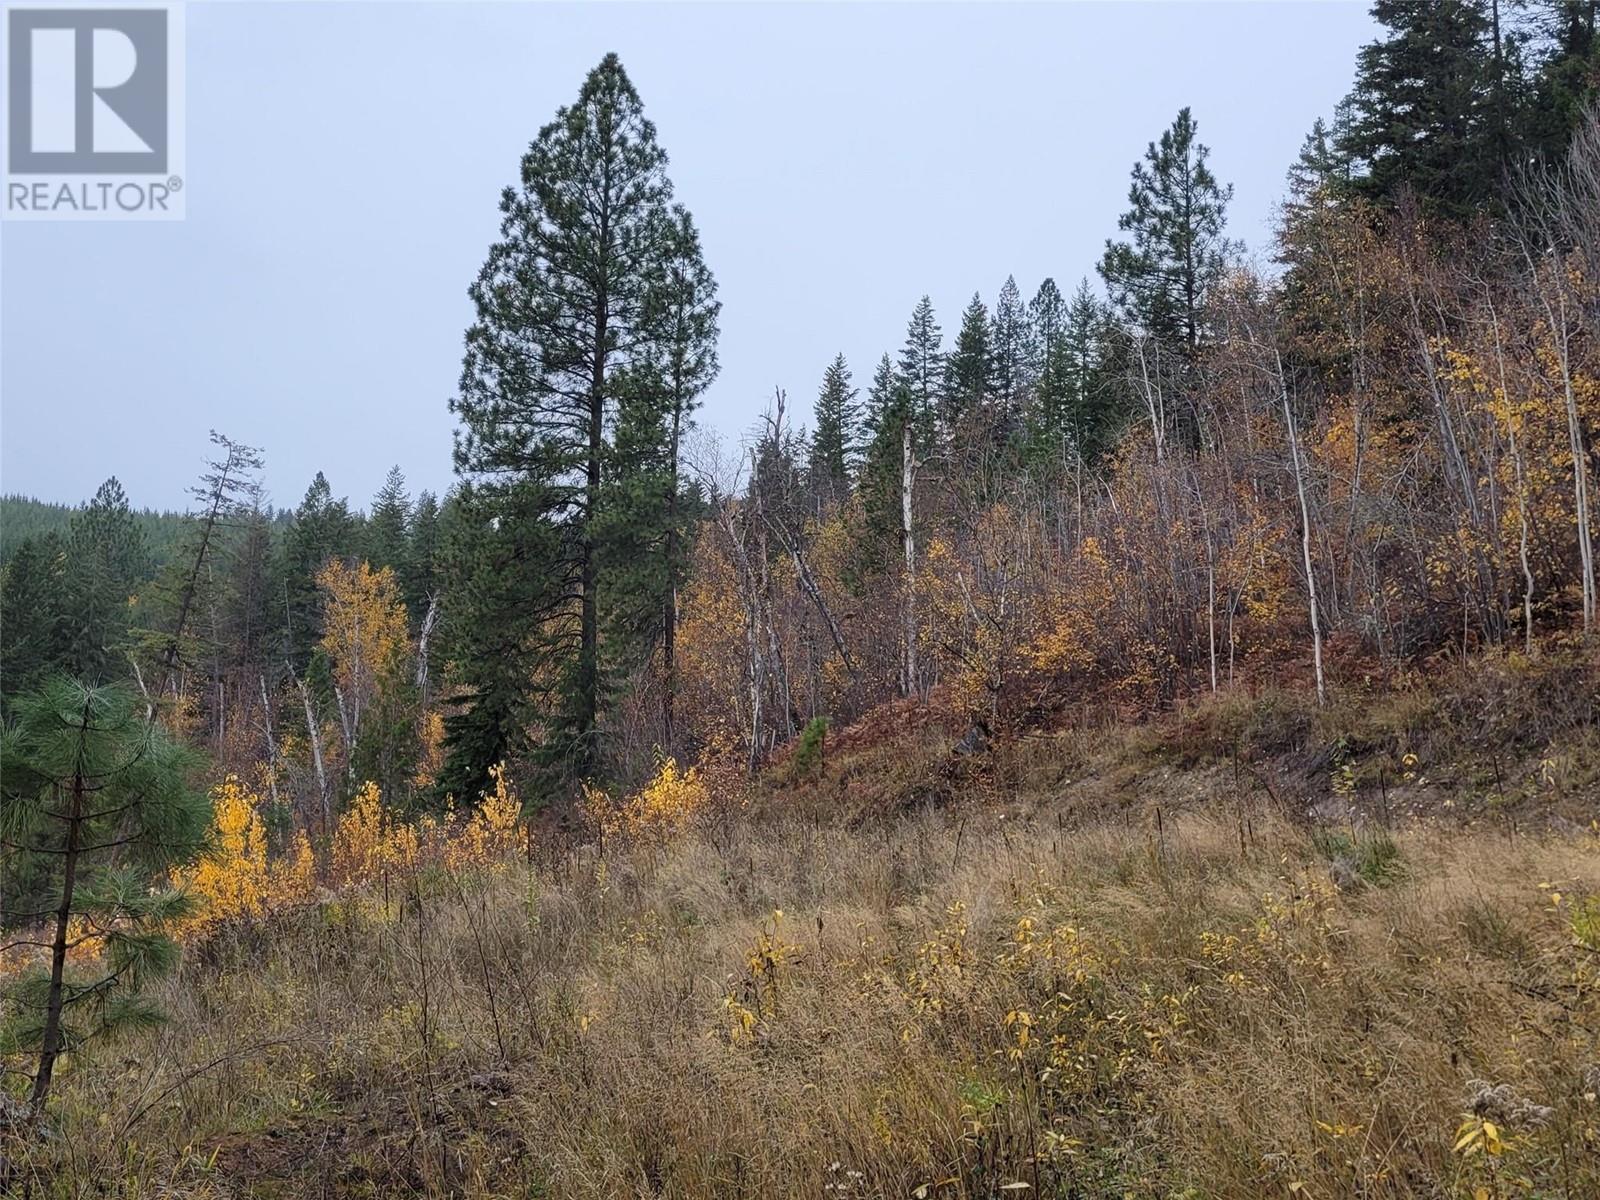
369 839
364 624
237 878
492 832
667 803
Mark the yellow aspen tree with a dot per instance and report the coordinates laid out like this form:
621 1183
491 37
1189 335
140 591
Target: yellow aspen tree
364 623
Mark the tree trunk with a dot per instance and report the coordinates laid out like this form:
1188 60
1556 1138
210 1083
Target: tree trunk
588 574
1558 321
316 753
349 731
50 1043
1512 419
429 622
272 743
669 614
1305 533
909 583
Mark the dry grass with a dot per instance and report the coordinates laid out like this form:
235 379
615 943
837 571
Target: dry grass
957 1000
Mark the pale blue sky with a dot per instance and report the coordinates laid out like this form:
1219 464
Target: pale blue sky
344 162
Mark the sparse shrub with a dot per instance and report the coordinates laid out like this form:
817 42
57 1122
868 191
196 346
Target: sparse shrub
1369 856
808 753
493 831
1585 921
1489 929
663 806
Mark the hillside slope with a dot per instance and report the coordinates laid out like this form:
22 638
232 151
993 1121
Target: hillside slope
1252 949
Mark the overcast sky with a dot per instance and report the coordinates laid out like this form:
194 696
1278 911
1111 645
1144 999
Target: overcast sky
344 162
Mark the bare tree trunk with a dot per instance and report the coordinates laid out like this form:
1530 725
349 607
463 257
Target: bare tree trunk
272 742
315 737
909 583
349 731
808 583
429 623
776 664
1154 401
1559 322
755 666
1211 607
1305 531
1512 421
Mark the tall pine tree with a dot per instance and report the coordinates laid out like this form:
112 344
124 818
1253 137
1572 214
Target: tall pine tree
567 323
1175 252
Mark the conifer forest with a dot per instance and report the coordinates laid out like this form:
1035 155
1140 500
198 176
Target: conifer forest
1137 737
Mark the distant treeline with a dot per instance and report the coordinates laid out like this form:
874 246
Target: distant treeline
23 517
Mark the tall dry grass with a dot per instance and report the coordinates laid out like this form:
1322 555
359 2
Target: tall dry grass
953 1002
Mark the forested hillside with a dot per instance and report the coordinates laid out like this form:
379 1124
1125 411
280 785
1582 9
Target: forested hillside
24 519
1220 571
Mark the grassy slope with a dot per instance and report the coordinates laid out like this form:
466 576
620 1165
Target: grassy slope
1005 970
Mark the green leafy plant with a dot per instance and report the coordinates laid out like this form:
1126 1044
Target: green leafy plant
808 754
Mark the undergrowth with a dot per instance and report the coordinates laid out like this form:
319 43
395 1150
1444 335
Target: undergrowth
1035 974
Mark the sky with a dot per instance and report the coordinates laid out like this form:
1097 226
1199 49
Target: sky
344 163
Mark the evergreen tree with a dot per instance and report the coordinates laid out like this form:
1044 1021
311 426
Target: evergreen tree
32 588
776 490
499 602
969 371
322 528
180 630
1091 417
248 611
566 325
651 519
106 561
1428 109
1009 335
387 534
1046 313
833 446
418 581
1321 198
1321 173
1567 77
922 366
1175 252
94 801
889 407
1071 417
